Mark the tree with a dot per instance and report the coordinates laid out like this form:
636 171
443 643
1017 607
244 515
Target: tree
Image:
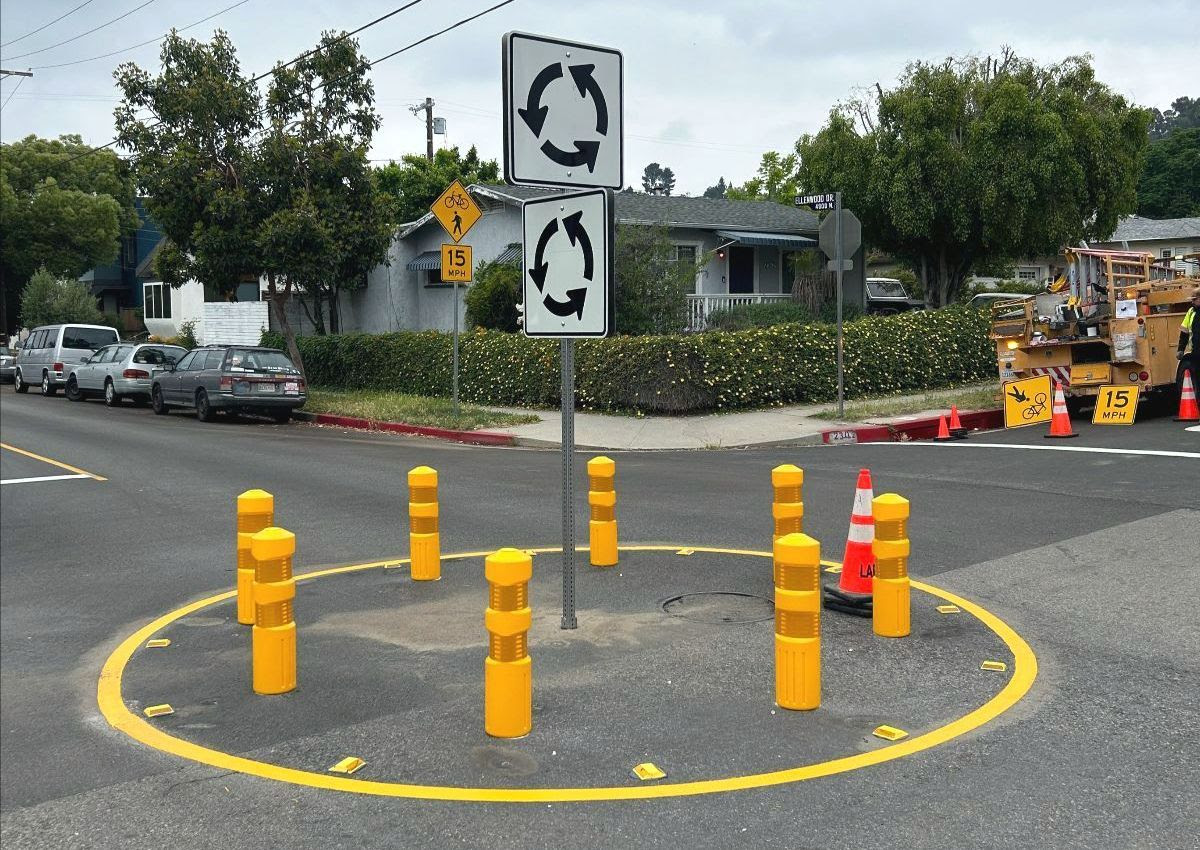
1184 114
412 185
651 283
48 300
775 181
61 209
1170 184
292 199
975 161
657 180
492 299
716 191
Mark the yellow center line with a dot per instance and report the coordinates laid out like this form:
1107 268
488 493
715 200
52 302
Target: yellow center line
112 705
52 462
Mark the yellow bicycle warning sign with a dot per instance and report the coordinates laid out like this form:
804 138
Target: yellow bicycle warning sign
456 210
1027 401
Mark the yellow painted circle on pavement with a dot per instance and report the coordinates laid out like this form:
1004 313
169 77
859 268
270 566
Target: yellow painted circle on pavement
112 705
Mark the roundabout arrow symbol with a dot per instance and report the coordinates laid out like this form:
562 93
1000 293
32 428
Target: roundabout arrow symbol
573 225
540 267
577 233
533 112
585 153
585 82
573 304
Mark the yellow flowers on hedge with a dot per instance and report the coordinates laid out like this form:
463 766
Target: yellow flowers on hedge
681 373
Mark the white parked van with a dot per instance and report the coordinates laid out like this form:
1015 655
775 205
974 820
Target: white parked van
48 352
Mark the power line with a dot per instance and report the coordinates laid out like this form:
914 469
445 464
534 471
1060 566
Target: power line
11 93
43 26
453 26
82 34
142 43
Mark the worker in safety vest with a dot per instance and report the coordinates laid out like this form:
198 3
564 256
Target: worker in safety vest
1188 352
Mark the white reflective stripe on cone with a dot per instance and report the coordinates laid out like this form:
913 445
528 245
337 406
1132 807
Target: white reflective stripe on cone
861 533
862 502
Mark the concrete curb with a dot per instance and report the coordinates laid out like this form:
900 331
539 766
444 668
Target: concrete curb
538 443
912 429
478 438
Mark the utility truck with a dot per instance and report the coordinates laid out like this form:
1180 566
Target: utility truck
1111 318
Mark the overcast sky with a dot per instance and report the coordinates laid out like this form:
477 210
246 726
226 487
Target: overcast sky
709 85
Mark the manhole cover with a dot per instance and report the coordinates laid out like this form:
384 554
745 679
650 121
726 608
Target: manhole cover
718 607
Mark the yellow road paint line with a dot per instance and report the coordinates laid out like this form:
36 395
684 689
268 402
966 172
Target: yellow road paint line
118 715
53 462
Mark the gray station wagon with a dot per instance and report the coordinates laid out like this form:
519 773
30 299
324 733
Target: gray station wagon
233 379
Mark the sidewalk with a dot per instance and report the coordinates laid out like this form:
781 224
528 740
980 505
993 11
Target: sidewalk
793 425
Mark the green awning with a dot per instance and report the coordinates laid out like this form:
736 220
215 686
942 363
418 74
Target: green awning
425 262
772 240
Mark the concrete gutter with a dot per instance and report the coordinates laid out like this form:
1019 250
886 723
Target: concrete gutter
478 438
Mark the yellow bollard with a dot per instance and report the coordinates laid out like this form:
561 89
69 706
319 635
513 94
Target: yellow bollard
797 622
273 648
424 541
507 671
892 589
602 496
255 511
788 508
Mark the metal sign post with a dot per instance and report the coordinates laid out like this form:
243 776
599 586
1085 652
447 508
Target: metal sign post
567 353
454 358
841 376
841 235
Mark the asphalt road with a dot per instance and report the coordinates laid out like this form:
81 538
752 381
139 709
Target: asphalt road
1089 555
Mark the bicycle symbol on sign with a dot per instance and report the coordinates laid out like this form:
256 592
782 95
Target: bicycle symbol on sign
456 199
1036 409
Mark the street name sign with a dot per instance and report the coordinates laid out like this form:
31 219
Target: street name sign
456 211
1027 401
820 201
1116 405
563 113
568 254
456 263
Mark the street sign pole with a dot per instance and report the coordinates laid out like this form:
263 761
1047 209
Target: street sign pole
841 397
454 366
568 483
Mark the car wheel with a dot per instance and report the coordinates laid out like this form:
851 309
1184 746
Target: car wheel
19 383
73 392
111 398
158 403
204 410
282 416
48 388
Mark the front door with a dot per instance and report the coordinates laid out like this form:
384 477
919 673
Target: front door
741 270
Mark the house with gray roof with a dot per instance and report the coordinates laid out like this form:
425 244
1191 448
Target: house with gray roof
741 247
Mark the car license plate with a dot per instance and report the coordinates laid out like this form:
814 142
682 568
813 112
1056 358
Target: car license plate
266 388
292 388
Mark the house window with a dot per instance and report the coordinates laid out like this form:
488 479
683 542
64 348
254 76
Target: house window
685 254
157 301
1027 274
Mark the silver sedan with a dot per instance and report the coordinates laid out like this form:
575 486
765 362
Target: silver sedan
121 371
8 369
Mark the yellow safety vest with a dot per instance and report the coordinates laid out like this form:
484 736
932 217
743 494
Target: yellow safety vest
1189 319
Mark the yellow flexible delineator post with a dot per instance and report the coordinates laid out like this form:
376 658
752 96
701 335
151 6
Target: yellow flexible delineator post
255 511
788 506
892 590
273 637
508 670
602 497
424 540
797 622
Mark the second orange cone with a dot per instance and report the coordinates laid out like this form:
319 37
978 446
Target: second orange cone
1060 419
858 564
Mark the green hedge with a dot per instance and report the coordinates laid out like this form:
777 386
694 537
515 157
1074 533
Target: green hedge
717 370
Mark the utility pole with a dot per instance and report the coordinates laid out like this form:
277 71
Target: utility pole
427 108
6 73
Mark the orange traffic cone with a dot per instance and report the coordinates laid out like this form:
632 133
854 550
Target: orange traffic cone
956 427
1060 419
1188 410
943 433
858 564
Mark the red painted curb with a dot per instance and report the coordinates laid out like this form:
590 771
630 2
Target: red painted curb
478 438
912 429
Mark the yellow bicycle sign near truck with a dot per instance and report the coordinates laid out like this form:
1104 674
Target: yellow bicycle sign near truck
1111 320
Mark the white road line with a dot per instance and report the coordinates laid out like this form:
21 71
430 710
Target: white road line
42 478
1084 449
1193 428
